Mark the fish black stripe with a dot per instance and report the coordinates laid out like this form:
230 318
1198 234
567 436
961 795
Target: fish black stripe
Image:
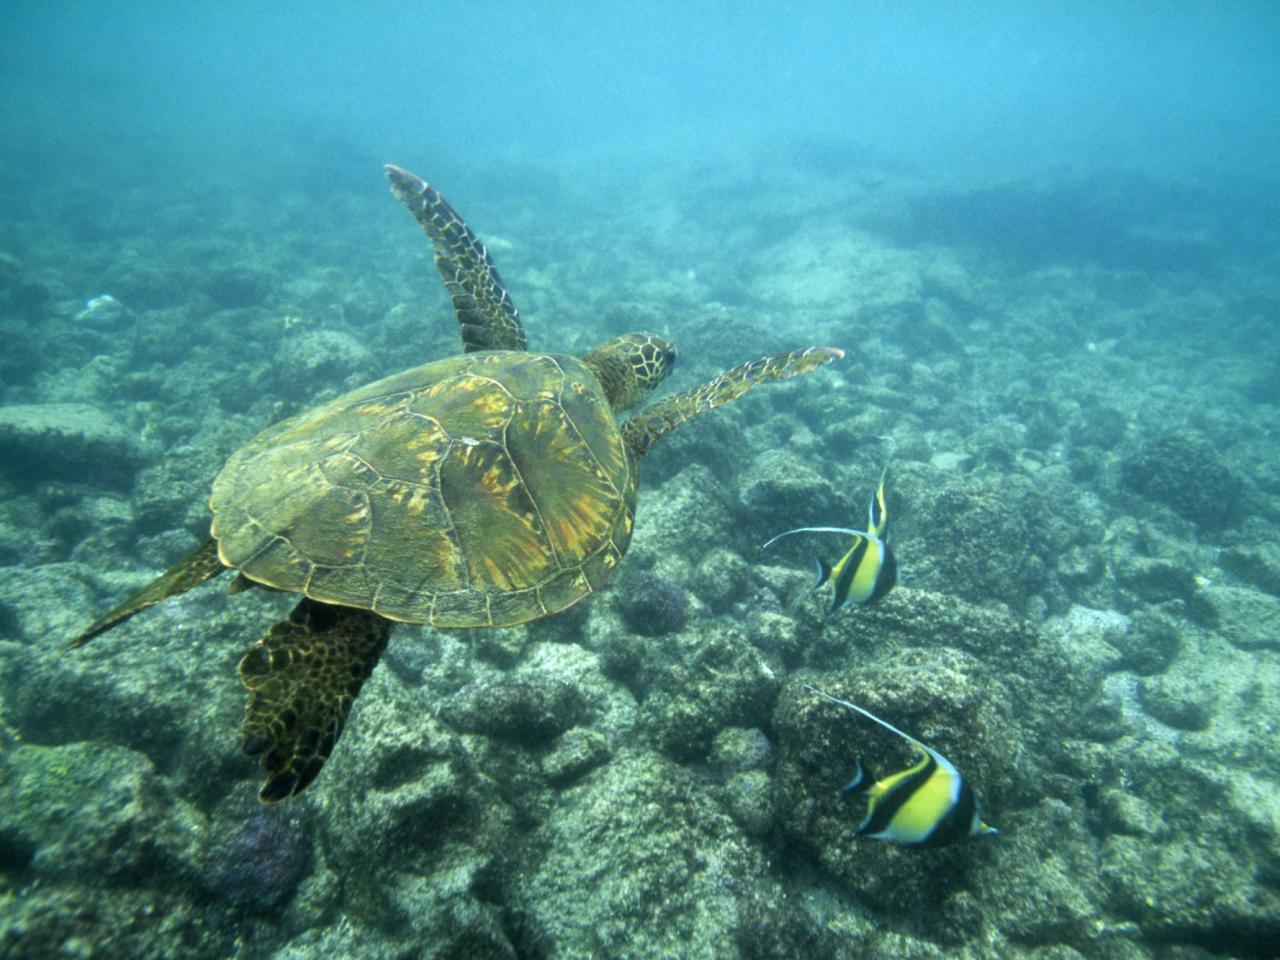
848 570
884 808
887 578
955 823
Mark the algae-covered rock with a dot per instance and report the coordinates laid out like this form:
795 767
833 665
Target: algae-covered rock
1002 563
413 824
776 635
314 358
779 492
1179 699
1040 879
92 919
739 748
527 711
44 604
721 578
254 855
471 931
718 679
749 799
1094 633
400 764
1258 564
1046 673
69 441
238 286
175 491
504 646
348 937
1151 642
90 809
774 924
689 514
575 753
1154 579
140 686
1185 472
1187 890
650 604
1123 811
1081 565
1248 619
1107 716
609 708
663 879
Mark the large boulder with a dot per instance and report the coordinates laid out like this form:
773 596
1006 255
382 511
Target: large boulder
1185 472
68 441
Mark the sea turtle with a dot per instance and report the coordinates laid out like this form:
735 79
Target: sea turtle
485 489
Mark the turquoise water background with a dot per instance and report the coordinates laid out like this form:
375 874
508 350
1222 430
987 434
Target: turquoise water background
1047 237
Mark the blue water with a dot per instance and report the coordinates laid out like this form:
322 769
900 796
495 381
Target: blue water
1026 89
1047 237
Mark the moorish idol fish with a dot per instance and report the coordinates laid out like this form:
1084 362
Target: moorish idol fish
868 570
928 804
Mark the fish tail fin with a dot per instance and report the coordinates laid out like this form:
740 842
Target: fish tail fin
858 784
824 572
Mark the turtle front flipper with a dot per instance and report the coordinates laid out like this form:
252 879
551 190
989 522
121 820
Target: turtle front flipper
192 570
486 315
302 678
642 430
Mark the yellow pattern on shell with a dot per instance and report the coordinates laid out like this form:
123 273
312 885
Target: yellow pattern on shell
418 498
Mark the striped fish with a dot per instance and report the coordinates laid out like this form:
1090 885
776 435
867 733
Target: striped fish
928 804
868 570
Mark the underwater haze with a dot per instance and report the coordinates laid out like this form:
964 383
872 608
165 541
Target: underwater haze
508 642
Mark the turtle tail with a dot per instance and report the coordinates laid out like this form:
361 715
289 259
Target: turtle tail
642 430
192 570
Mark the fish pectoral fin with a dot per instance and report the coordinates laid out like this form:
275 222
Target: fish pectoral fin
824 572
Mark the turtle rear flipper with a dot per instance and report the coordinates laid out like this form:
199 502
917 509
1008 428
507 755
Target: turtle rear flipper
642 430
192 570
486 315
302 678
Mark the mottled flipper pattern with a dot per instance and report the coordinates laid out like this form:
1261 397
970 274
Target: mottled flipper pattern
642 430
192 570
302 678
486 315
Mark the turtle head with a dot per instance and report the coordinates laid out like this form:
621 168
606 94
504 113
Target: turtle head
631 366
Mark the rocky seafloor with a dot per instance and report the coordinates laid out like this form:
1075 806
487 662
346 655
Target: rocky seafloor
1085 493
